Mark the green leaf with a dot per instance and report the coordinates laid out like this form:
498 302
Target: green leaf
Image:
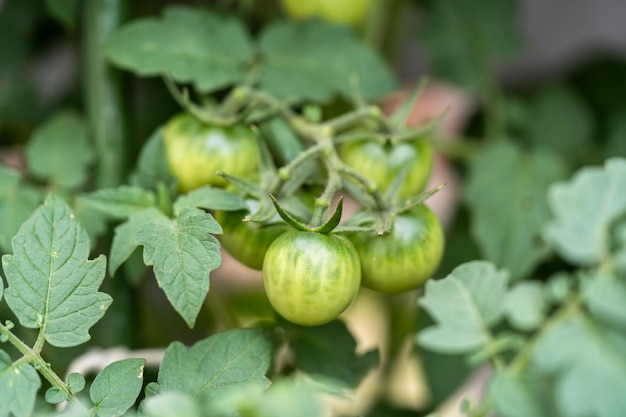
123 246
315 61
65 11
518 395
15 207
587 366
171 404
571 140
465 38
116 388
183 254
223 363
18 387
464 305
506 193
329 350
191 45
616 140
525 305
122 201
209 198
75 382
152 165
584 209
55 395
59 151
605 295
51 283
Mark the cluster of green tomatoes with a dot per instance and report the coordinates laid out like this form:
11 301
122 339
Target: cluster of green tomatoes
312 274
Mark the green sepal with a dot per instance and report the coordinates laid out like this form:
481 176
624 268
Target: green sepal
288 218
400 118
333 221
328 226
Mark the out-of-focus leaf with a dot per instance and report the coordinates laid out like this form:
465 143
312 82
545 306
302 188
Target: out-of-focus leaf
605 295
18 387
525 305
583 210
191 45
506 194
313 60
463 305
116 388
170 404
518 395
65 11
122 201
17 202
616 141
209 198
152 165
52 285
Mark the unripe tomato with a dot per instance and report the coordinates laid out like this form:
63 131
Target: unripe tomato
196 151
311 278
404 258
382 162
346 12
247 241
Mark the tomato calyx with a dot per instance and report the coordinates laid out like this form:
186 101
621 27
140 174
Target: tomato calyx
327 227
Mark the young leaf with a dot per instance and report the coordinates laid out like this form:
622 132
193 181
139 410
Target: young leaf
587 367
120 202
116 388
464 305
183 254
329 350
506 194
18 387
59 151
192 45
51 283
219 365
315 61
525 305
209 198
583 210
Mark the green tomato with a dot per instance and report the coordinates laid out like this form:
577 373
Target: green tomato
247 241
382 162
345 12
404 258
311 278
196 151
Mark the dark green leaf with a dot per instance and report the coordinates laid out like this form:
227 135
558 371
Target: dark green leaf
191 45
464 305
18 388
59 150
51 283
616 141
209 198
315 61
330 350
506 193
65 11
116 388
584 208
122 201
183 253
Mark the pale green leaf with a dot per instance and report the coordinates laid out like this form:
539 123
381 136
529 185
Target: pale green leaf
116 388
587 366
191 45
506 194
525 305
584 209
315 61
55 395
122 246
17 202
93 221
463 305
76 382
59 151
51 283
18 388
518 395
605 295
183 253
9 179
120 202
223 363
171 404
209 198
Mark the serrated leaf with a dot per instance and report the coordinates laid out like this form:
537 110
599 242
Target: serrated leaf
605 295
587 365
18 388
506 194
463 305
183 253
315 61
209 198
116 388
120 202
330 350
192 45
525 305
51 283
123 246
216 366
465 38
59 151
518 395
583 210
152 165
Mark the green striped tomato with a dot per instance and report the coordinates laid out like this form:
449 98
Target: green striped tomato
404 258
311 278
